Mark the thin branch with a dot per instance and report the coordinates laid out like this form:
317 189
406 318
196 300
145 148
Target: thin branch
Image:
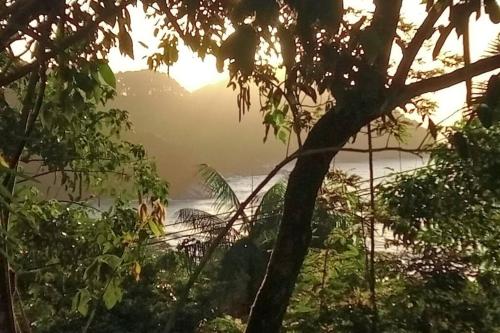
423 33
415 151
309 106
48 172
466 47
372 280
213 246
383 149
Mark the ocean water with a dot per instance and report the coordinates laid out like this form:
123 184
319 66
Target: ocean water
244 185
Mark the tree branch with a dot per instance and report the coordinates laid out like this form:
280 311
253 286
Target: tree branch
424 32
385 22
215 243
22 12
446 80
78 36
48 172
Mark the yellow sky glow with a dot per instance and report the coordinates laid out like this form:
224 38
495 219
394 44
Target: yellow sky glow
192 73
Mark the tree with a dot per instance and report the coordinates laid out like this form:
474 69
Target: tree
57 37
322 50
71 137
245 250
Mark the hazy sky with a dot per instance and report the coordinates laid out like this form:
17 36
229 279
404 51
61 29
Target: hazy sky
192 73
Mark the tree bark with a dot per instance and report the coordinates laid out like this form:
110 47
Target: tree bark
372 275
7 322
332 130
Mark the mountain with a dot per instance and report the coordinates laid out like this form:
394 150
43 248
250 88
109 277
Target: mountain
181 130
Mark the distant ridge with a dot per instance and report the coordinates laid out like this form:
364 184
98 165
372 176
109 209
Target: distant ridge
180 129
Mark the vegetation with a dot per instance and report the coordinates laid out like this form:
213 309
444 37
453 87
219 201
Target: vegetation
69 262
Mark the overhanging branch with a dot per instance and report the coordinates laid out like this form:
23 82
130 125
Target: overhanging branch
424 32
78 36
446 80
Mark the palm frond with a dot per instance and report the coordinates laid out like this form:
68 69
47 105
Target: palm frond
494 47
268 214
479 89
200 220
218 188
272 200
484 92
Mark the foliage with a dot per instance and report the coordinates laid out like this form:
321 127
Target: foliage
325 48
69 261
331 293
69 256
450 210
218 188
446 216
225 324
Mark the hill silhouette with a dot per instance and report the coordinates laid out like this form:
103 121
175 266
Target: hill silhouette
180 129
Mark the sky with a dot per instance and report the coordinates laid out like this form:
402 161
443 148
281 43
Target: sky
192 73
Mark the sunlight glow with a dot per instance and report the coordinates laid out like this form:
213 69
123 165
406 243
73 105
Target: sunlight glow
193 73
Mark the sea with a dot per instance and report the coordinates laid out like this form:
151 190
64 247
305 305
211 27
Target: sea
384 169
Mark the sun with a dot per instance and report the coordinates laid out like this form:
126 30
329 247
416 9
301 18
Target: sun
190 71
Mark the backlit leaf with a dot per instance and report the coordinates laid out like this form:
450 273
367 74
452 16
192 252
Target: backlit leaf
107 74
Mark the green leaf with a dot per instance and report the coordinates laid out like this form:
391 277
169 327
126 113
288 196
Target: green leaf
111 260
5 193
155 229
283 134
113 294
91 270
81 301
84 82
107 74
5 203
3 162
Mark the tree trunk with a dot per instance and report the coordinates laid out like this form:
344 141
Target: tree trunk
7 321
6 310
332 130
